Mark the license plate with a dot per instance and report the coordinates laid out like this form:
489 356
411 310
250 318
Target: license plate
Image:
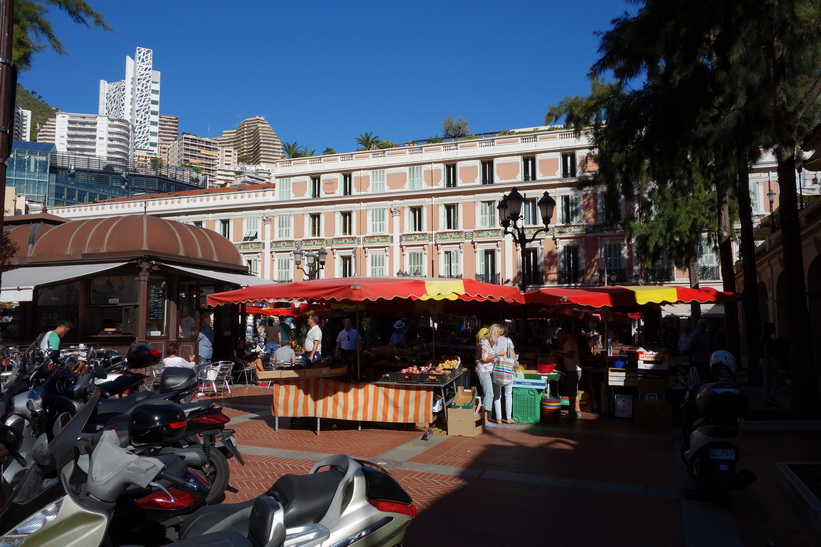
722 454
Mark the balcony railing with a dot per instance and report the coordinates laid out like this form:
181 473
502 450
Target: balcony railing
659 275
708 272
611 276
488 278
571 278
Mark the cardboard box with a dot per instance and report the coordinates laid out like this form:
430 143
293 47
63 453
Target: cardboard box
652 385
621 377
465 416
648 360
655 413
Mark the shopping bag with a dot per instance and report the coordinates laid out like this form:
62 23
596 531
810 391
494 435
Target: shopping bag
503 370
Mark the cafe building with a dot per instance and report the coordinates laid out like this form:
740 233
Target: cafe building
119 280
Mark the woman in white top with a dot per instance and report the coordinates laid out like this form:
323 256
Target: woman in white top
172 360
503 345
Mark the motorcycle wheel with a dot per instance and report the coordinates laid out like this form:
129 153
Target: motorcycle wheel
218 472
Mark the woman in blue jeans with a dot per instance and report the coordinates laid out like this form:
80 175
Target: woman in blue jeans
486 356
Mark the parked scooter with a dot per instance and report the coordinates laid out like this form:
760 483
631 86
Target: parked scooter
711 435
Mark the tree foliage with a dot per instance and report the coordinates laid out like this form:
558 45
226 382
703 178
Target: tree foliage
8 249
367 141
33 32
296 150
455 129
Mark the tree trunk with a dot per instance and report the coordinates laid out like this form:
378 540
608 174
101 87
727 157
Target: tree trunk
805 389
725 250
695 307
752 313
8 85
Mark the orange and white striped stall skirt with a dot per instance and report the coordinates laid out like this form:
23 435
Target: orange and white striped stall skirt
366 402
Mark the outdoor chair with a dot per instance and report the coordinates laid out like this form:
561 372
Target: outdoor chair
152 383
247 374
208 378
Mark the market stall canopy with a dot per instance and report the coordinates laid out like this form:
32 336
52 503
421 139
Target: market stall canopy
626 297
372 289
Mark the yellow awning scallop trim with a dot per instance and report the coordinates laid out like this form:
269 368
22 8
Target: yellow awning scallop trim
654 295
449 289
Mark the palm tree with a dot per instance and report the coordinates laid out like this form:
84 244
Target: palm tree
31 26
292 149
367 141
328 150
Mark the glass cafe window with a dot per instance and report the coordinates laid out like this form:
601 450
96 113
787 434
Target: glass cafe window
56 303
112 305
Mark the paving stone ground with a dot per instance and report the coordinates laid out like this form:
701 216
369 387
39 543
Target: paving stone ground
598 481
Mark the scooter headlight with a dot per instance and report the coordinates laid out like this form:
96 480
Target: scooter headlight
17 536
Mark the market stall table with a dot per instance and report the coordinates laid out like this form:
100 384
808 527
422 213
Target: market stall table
390 402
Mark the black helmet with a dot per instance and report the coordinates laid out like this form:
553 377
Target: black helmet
156 423
112 358
143 355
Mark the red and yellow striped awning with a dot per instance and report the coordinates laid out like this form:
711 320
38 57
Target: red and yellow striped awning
626 297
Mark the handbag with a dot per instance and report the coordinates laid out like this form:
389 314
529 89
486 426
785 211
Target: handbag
503 369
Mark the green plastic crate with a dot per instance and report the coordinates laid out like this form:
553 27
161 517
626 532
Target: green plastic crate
527 405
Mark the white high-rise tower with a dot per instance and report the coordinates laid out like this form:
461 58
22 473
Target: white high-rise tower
136 99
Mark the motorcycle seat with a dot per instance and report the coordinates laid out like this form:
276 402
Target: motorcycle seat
194 406
305 498
213 518
125 404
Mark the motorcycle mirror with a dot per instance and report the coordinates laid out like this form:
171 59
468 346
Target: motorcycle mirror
12 439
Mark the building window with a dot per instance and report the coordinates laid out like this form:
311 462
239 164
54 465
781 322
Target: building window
755 201
613 268
197 223
225 228
314 227
283 227
346 223
707 260
532 268
284 189
487 271
487 214
376 265
378 181
282 269
450 264
315 187
251 229
530 212
347 184
487 172
570 272
346 266
451 217
253 265
568 165
529 168
415 177
571 210
378 221
415 219
416 263
450 175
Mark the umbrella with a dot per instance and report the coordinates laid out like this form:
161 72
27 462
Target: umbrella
626 298
372 289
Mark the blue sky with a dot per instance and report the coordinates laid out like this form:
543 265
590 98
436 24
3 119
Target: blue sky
324 72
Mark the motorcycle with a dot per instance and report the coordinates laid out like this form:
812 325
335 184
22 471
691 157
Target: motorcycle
352 502
711 433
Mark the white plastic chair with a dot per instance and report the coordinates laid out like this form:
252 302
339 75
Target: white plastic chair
208 377
224 379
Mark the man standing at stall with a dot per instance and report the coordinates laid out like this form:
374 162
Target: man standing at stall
572 371
313 342
348 340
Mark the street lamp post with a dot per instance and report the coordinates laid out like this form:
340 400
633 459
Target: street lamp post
510 208
314 261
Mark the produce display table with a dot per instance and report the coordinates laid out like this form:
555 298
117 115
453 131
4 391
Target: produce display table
361 401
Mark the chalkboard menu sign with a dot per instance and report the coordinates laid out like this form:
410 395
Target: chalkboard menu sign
156 301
